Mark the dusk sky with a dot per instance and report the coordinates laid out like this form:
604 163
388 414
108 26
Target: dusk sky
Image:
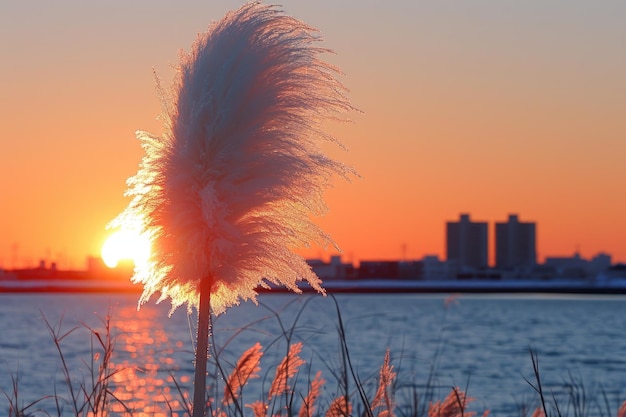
480 107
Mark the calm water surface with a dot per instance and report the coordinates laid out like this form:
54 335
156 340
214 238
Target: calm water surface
480 343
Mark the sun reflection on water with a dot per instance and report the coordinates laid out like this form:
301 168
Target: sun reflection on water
146 373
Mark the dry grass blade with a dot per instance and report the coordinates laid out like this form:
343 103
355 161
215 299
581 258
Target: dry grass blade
16 408
538 388
92 396
57 337
347 363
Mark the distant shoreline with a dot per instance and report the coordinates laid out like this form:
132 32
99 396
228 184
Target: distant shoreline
347 287
51 289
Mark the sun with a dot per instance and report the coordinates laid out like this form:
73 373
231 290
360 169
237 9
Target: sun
125 245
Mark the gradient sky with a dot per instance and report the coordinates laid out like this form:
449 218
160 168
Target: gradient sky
481 107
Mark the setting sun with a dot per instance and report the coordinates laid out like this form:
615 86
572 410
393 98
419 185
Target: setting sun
125 245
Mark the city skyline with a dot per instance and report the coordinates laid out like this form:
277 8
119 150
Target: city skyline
485 253
481 107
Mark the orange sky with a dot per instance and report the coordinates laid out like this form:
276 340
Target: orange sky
485 107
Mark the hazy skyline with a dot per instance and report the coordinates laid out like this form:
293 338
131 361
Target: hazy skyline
487 108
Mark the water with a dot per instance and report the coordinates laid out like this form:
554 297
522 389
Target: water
480 343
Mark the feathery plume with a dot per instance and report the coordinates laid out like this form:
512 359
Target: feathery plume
539 412
288 367
247 368
259 408
384 396
340 407
308 404
452 406
451 300
225 194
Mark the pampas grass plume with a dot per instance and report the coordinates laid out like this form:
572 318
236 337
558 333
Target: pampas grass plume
259 408
308 404
454 405
288 367
247 368
339 407
538 412
226 193
384 396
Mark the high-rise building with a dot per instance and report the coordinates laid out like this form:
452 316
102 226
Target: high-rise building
515 244
466 243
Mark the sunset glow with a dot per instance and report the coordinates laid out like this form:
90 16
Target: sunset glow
486 108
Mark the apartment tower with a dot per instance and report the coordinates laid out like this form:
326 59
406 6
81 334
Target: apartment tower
466 243
515 244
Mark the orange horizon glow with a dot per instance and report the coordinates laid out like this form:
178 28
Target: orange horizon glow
486 109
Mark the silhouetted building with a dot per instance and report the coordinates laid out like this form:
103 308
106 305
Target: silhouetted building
378 269
568 267
466 243
516 246
335 269
435 269
578 267
599 263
